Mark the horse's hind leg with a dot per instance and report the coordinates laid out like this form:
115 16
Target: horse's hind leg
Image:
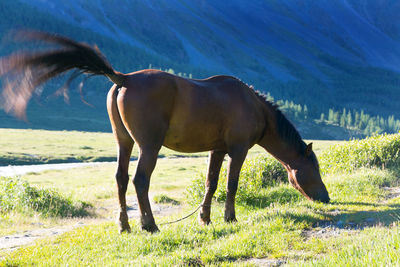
214 166
236 158
122 177
125 145
146 163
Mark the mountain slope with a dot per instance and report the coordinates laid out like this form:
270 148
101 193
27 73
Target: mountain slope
320 53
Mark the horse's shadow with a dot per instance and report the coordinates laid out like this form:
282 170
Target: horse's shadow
347 219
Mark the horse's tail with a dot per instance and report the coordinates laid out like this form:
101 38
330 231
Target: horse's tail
24 71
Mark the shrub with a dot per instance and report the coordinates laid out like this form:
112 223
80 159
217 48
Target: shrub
378 151
257 173
18 195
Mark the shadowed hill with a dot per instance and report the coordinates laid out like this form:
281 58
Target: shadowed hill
323 54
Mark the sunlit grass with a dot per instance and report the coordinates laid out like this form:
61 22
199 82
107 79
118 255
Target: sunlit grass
275 231
20 146
373 246
98 182
360 227
18 195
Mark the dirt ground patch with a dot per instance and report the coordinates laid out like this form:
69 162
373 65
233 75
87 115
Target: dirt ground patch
329 229
265 262
393 192
108 212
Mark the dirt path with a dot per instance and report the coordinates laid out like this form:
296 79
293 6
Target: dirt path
18 170
12 242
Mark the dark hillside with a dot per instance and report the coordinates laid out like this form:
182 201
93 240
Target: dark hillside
320 54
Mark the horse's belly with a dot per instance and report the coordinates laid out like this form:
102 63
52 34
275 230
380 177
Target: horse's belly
194 138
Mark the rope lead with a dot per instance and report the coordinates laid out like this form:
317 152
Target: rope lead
187 216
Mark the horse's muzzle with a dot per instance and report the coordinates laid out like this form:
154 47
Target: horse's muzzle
322 197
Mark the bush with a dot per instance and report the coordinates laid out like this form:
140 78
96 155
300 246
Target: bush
257 173
18 195
378 151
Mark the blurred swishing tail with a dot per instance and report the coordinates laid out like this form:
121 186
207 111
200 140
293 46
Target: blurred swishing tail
23 71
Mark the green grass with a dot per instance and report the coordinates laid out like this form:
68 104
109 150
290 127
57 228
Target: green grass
260 176
162 198
96 183
18 195
276 231
358 228
380 151
19 146
40 146
171 176
257 172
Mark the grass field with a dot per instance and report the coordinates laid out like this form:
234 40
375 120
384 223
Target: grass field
19 146
360 227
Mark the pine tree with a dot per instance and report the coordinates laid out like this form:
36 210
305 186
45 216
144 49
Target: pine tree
349 119
343 120
330 115
305 111
357 119
391 123
336 117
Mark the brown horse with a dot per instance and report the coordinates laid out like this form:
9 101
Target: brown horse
152 108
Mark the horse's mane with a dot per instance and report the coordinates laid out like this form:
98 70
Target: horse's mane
285 128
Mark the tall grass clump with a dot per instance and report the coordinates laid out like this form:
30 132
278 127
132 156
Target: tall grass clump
17 195
260 172
379 151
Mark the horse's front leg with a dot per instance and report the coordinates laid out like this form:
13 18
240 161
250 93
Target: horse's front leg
146 163
236 158
214 166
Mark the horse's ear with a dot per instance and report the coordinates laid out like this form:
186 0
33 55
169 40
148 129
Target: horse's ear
309 149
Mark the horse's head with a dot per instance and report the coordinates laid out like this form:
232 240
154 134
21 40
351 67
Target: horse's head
304 175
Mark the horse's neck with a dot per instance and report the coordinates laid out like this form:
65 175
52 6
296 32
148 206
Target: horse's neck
284 144
281 139
279 149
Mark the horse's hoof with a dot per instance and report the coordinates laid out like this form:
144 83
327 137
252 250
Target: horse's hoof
204 222
125 230
124 227
230 219
152 228
123 224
